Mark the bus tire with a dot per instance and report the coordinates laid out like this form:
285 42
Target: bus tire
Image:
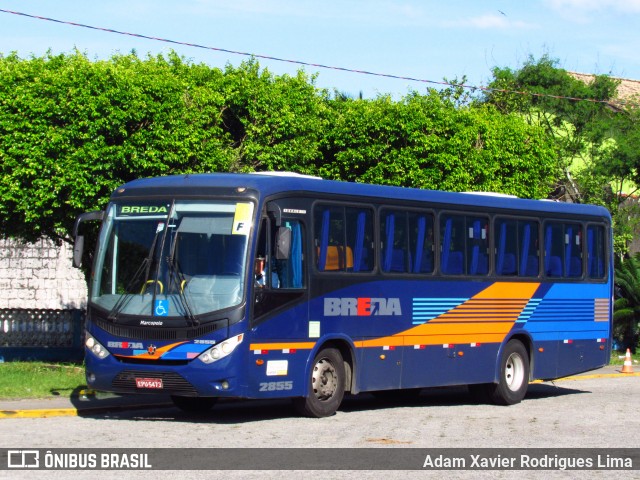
514 375
325 389
194 404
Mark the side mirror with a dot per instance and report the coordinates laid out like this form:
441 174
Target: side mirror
78 245
283 243
78 250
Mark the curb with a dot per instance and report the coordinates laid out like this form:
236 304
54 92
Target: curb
589 377
76 412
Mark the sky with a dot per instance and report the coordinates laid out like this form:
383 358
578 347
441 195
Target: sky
427 40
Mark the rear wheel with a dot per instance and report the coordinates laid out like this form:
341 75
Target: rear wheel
514 375
326 385
194 404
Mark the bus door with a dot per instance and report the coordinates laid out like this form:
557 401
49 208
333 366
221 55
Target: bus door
280 284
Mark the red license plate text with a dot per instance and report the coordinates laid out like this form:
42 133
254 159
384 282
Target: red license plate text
149 382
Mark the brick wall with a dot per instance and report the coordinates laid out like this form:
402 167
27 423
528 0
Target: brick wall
40 275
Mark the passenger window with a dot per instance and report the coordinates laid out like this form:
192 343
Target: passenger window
464 244
563 250
395 256
528 243
506 259
407 241
477 245
344 239
421 242
553 249
452 244
516 249
596 257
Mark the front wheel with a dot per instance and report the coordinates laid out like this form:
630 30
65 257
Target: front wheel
514 375
326 385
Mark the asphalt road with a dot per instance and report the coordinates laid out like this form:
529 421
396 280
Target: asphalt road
599 411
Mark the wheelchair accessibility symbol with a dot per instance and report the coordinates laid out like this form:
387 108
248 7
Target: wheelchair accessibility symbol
161 308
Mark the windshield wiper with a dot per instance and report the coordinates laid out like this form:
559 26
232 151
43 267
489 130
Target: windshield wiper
126 297
175 274
145 267
177 278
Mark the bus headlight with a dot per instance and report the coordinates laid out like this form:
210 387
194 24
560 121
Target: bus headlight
95 347
221 350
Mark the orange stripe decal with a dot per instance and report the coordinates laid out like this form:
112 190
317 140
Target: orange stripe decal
158 353
485 318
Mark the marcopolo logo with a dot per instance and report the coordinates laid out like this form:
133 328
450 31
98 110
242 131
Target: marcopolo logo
361 307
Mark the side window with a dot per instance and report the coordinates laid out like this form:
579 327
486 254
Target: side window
573 250
477 245
528 242
553 249
359 237
464 245
287 258
343 239
421 242
506 259
452 244
516 249
407 241
394 252
279 262
596 248
563 250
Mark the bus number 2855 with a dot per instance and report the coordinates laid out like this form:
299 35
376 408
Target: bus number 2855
275 386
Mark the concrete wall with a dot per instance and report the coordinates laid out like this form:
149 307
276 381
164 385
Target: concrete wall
40 275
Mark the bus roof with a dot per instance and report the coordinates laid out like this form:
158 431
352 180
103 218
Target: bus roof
267 185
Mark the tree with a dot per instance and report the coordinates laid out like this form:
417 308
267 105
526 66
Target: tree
627 307
426 141
72 130
276 122
571 112
597 141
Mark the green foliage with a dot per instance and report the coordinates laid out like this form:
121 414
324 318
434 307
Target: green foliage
424 141
277 123
597 143
72 130
544 99
626 315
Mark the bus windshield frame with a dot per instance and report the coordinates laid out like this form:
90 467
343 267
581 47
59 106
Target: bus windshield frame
149 259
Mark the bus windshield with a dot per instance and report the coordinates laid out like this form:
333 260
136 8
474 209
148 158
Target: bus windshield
174 258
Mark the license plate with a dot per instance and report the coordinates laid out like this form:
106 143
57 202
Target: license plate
149 383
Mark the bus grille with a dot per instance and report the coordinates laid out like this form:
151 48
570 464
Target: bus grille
146 333
172 382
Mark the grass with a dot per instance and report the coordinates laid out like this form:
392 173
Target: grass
39 380
617 358
42 380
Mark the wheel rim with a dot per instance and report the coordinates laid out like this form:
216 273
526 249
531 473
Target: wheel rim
514 372
324 380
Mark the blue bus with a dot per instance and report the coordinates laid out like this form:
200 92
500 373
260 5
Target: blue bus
215 286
